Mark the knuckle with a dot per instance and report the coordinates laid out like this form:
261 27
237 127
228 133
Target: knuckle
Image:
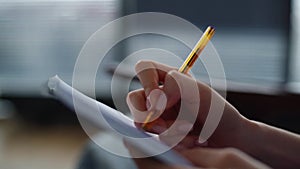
142 64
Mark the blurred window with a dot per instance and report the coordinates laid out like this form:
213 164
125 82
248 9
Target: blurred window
295 47
41 38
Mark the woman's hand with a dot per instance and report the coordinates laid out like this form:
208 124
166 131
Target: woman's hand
169 91
222 158
217 158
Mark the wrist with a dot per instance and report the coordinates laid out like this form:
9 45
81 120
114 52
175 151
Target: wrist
244 133
252 139
232 131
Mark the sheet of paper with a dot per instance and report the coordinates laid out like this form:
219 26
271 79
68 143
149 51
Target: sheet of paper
105 117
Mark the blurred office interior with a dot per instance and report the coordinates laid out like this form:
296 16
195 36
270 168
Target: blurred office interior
258 42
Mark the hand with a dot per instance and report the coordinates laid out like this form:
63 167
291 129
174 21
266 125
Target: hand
151 74
203 158
222 158
257 139
149 162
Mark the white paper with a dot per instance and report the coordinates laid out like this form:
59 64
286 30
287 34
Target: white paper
92 110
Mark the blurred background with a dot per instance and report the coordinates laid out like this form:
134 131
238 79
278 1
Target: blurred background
258 42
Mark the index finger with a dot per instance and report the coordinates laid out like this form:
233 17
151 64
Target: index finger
151 73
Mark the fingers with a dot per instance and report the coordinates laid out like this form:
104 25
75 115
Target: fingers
180 86
170 132
151 73
222 158
136 101
137 105
177 98
176 87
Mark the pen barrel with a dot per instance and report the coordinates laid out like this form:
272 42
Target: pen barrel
187 64
200 45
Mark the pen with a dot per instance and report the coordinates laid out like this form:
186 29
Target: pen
190 60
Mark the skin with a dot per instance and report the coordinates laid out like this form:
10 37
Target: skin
237 142
205 158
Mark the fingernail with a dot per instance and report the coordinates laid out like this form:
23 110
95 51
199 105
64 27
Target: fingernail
185 127
157 100
161 102
148 103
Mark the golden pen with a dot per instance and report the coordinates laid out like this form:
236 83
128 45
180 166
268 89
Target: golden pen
190 60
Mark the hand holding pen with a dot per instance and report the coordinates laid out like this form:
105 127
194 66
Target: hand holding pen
166 99
186 66
231 142
226 135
